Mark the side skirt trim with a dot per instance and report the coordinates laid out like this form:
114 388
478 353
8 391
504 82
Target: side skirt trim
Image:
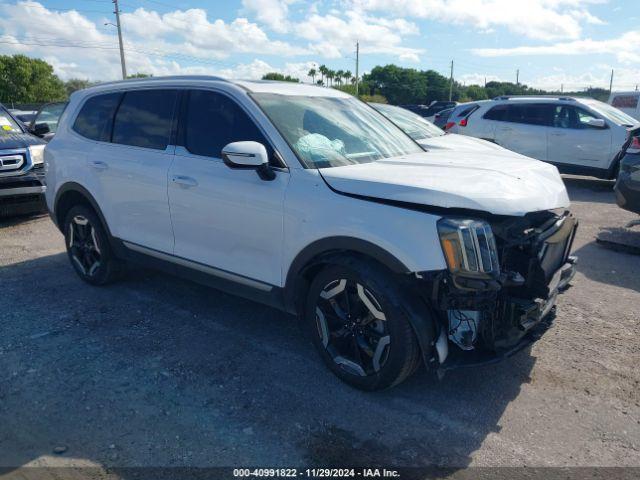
200 267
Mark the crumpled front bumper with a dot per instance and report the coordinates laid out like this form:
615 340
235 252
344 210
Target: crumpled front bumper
537 319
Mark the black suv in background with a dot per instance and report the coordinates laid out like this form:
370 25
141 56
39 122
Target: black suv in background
21 168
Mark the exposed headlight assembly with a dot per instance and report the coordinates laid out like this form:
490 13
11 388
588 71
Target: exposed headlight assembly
469 247
36 152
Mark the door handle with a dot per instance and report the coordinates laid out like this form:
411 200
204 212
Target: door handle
506 129
558 134
185 182
99 165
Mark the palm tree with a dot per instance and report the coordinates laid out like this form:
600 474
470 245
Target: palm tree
323 72
330 76
312 73
339 75
320 82
347 75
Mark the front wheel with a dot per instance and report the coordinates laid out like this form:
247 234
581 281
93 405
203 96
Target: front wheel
88 247
355 315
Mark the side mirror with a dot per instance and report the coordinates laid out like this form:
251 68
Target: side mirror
597 123
248 155
40 129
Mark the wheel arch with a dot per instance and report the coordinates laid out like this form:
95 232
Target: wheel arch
319 253
71 194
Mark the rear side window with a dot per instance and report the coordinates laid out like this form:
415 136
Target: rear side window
145 118
530 114
96 117
213 120
499 113
467 111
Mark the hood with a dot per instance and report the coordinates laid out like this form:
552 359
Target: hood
453 141
10 141
492 181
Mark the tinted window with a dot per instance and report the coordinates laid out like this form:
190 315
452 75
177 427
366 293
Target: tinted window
213 120
144 119
499 112
7 123
96 117
531 114
566 116
467 111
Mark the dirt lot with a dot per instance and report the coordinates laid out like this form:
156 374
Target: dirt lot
156 371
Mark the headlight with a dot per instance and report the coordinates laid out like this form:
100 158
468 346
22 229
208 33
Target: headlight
36 152
469 247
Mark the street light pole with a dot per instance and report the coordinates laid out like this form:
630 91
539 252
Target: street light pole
122 62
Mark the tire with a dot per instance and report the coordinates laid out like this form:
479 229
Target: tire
357 318
88 247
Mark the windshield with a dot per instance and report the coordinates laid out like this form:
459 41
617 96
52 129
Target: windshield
612 113
50 114
413 125
7 123
332 132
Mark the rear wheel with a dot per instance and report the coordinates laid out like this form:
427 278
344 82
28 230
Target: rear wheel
357 322
88 247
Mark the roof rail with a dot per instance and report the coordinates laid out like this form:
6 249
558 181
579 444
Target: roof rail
168 77
557 97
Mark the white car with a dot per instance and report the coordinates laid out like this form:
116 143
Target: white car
626 102
308 200
579 135
430 137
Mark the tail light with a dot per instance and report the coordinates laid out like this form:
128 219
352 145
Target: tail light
634 146
449 125
463 122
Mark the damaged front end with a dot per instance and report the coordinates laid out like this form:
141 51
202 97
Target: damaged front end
499 292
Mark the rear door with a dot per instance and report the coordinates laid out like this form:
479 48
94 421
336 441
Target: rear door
573 141
131 170
523 128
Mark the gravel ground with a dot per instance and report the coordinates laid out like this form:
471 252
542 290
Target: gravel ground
157 371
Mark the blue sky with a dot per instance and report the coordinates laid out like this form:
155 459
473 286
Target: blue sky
552 42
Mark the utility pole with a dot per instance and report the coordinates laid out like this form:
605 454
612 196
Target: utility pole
611 83
518 77
451 82
562 88
357 66
122 63
485 82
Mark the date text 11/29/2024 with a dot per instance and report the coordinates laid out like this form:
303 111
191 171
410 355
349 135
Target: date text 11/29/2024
316 472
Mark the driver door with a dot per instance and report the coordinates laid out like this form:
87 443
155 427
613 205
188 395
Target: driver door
224 218
572 141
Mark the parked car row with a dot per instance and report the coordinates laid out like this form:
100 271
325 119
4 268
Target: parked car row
578 135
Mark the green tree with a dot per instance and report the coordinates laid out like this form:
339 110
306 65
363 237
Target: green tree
398 85
312 73
140 75
279 77
323 72
28 80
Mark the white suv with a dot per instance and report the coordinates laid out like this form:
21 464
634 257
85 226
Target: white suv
579 135
309 200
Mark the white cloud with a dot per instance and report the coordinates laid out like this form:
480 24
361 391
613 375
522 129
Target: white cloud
624 48
154 43
272 13
540 19
334 35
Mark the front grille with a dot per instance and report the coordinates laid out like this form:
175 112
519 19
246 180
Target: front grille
11 162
